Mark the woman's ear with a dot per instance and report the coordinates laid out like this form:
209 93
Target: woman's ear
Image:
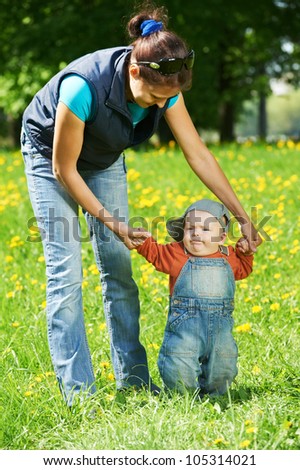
134 71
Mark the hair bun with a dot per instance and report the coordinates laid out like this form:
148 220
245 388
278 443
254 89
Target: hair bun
157 14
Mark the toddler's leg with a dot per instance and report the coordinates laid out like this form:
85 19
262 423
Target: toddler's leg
220 369
178 360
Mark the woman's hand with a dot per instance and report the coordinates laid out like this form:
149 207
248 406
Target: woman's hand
132 237
250 241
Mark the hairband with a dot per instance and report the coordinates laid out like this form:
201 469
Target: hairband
151 26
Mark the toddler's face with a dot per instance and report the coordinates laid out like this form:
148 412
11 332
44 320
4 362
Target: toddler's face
203 233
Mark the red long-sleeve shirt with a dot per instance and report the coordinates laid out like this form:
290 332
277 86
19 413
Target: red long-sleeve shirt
171 258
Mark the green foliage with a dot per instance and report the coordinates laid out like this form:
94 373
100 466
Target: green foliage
261 410
238 47
17 90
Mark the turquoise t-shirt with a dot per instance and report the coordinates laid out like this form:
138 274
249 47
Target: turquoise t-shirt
76 94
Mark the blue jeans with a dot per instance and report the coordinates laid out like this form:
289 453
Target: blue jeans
57 216
198 350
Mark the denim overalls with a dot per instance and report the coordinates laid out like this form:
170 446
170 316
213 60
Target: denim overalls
198 350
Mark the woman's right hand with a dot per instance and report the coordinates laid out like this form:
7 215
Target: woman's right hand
132 237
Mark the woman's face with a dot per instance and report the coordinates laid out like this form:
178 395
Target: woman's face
146 95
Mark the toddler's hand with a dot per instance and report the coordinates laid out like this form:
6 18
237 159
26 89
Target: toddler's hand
133 237
138 236
244 246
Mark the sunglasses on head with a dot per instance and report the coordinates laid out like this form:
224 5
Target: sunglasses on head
171 66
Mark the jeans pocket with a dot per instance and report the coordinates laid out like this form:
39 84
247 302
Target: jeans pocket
177 316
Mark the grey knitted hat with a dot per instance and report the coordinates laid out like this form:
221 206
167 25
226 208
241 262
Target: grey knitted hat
175 227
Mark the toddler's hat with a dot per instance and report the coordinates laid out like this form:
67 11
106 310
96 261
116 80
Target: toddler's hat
175 227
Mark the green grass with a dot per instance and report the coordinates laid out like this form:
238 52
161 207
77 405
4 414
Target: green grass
261 410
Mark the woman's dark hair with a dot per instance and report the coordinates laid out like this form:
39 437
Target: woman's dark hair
159 45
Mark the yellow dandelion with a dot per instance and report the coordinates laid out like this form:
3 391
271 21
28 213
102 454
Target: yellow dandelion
8 259
163 211
154 346
10 294
256 371
274 307
243 285
102 326
245 328
93 269
84 272
15 324
257 287
290 144
256 309
98 289
287 424
111 376
133 175
49 374
28 393
248 422
244 444
110 397
44 304
104 364
41 259
277 276
251 430
219 440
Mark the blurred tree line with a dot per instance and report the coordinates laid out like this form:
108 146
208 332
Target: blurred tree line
239 47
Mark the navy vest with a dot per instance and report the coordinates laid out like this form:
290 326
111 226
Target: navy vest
111 131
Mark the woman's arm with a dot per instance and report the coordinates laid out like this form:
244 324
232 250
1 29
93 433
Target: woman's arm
207 168
68 140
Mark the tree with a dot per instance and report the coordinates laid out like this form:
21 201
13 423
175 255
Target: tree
238 47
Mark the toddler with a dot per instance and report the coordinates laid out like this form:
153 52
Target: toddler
199 352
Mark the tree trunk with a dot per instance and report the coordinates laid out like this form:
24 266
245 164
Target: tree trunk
262 117
227 122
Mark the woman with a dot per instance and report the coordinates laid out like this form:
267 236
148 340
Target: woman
74 133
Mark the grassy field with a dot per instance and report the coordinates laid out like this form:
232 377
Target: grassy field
262 409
